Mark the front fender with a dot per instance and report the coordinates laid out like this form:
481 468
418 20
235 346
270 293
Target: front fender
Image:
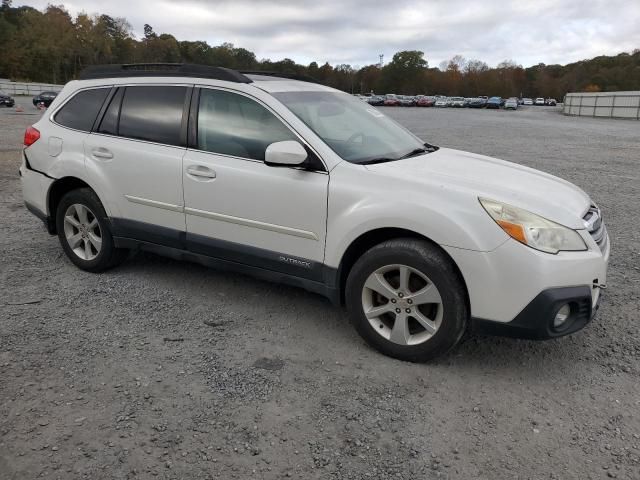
360 202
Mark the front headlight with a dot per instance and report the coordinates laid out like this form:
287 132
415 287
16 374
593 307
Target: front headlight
533 230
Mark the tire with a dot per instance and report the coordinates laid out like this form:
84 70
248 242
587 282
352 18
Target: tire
86 237
431 328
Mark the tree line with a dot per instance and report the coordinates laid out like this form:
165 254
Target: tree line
51 46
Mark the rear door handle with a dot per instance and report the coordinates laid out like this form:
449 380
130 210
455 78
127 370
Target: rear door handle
102 153
201 172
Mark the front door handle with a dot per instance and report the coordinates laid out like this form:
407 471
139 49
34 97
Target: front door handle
102 153
201 172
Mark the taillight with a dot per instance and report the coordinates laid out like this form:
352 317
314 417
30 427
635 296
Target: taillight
31 136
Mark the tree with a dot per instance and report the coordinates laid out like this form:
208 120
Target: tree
194 52
405 72
148 31
344 77
368 79
454 75
244 59
161 49
325 73
52 46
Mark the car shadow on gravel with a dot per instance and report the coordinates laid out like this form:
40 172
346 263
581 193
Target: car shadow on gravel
322 319
534 358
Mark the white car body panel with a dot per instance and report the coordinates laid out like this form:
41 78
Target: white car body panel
359 202
451 170
145 190
247 202
35 187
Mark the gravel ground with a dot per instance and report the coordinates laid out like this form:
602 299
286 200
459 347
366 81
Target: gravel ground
160 369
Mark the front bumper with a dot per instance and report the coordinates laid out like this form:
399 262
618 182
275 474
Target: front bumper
518 289
536 319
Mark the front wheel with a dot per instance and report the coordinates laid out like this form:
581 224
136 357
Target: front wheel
406 299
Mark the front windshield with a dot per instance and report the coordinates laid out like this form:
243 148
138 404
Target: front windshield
354 130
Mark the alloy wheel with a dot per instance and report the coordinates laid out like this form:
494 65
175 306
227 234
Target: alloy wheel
402 304
82 231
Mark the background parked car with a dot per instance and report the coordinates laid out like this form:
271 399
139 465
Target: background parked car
425 102
511 104
527 101
45 97
376 100
478 102
494 102
539 101
6 100
442 102
391 100
407 101
551 102
456 102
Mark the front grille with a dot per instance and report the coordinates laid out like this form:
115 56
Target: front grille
594 224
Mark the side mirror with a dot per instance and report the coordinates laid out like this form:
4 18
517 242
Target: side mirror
285 153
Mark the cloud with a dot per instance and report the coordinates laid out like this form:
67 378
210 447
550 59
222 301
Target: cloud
355 32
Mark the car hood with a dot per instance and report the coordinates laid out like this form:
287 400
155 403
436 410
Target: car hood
482 176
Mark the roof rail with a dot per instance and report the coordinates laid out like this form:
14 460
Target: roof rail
163 70
287 75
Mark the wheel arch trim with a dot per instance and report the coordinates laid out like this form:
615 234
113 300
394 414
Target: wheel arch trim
59 188
373 237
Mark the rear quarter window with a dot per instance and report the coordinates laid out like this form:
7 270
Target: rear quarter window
109 123
153 113
82 109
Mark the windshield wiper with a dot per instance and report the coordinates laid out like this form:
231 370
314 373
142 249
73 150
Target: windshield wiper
428 148
413 153
377 160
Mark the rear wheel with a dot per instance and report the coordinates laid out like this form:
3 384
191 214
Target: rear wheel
84 232
406 299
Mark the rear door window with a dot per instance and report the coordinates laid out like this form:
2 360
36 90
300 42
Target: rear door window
81 111
153 113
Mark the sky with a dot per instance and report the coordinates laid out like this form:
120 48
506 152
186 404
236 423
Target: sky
358 31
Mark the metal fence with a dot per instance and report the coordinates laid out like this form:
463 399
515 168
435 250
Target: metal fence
29 89
603 104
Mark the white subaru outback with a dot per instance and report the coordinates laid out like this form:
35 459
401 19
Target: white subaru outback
296 182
